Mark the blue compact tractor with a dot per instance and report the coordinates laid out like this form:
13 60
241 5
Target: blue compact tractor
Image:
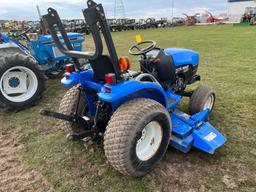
136 112
22 66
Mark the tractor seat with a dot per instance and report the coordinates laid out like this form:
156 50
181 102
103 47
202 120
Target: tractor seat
166 69
101 66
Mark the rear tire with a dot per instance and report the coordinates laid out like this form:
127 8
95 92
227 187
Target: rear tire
202 98
4 52
137 137
68 106
9 64
252 21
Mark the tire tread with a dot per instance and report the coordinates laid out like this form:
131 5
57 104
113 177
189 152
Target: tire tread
120 129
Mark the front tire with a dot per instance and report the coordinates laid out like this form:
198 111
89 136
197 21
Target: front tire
137 137
202 98
21 81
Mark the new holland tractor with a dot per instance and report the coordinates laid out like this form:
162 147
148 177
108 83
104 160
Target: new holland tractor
23 66
136 112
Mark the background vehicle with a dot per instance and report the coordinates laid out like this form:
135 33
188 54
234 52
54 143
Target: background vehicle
178 21
114 25
190 20
130 24
249 15
22 66
21 81
162 22
213 19
78 26
151 23
141 24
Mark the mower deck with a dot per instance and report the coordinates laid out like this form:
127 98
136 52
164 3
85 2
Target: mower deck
194 131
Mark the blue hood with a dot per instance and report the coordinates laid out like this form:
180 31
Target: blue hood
183 57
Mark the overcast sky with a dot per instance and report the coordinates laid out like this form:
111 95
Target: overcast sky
26 9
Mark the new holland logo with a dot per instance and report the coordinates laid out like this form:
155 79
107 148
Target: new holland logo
183 69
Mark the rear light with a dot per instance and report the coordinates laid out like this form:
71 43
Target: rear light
70 68
110 79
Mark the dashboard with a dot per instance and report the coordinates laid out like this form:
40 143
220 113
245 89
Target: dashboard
153 53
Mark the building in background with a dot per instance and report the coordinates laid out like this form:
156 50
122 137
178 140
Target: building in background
236 9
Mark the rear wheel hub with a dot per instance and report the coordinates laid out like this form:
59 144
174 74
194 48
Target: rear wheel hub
18 84
150 140
14 82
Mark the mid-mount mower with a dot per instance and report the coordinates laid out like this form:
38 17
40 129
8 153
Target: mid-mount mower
23 66
135 112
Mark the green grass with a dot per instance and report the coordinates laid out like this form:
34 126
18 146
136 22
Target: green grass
227 63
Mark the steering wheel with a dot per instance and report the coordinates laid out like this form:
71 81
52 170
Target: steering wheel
142 51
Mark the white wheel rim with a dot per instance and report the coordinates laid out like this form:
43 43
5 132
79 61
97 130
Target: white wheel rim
150 141
26 87
209 103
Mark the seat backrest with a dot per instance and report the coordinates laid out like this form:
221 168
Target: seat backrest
165 68
101 66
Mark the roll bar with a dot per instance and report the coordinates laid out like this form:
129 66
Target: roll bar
54 23
95 18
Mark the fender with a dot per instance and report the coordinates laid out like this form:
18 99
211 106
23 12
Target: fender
123 92
84 77
9 42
